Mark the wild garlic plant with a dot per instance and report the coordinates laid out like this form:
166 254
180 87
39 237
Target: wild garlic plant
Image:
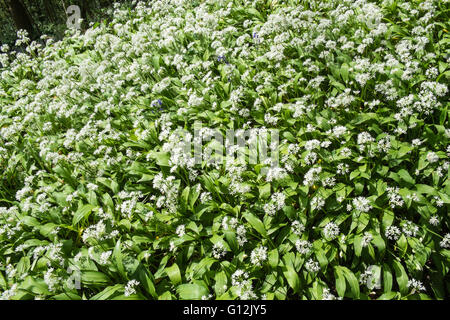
99 200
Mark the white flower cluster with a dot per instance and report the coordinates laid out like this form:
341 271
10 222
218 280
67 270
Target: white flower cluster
303 246
362 204
239 279
331 230
130 288
445 242
258 255
277 202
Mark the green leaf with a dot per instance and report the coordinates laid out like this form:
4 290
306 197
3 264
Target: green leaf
37 286
340 281
402 244
193 196
292 278
108 201
82 213
184 199
23 266
363 221
264 191
405 176
92 198
401 276
230 236
191 291
423 188
174 274
107 292
221 282
162 158
353 282
344 72
357 244
117 254
255 223
387 296
156 61
94 278
147 280
273 258
387 278
67 296
165 296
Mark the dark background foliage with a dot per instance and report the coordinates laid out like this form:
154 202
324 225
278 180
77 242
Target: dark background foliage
45 16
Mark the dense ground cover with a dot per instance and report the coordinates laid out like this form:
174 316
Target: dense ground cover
97 200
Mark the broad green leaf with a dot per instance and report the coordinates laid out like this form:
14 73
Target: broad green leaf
173 272
401 276
221 282
264 191
387 278
405 176
90 277
67 296
117 254
255 223
273 258
340 281
387 296
108 292
292 278
191 291
357 244
353 282
82 213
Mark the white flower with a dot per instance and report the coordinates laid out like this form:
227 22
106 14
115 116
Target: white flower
258 256
367 238
331 230
312 266
327 295
130 288
239 279
395 200
432 157
312 176
362 204
339 131
275 174
92 186
218 250
312 144
317 203
434 220
51 279
303 246
392 233
241 235
104 257
181 230
364 138
445 242
409 229
297 227
415 285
